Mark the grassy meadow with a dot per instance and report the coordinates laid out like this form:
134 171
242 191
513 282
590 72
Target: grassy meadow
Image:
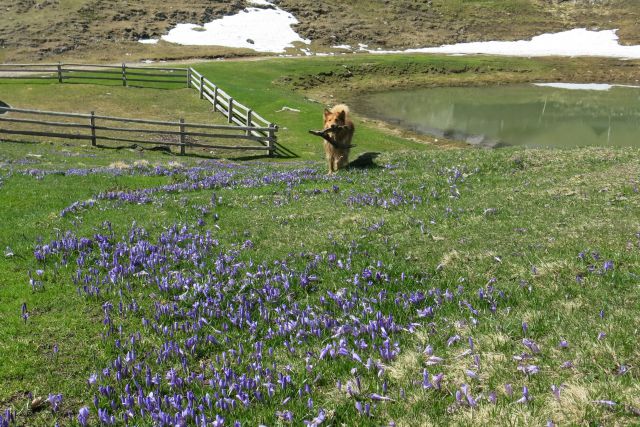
429 286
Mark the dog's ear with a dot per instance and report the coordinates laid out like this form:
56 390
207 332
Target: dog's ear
341 116
327 113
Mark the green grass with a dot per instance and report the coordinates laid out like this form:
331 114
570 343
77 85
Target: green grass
521 220
537 225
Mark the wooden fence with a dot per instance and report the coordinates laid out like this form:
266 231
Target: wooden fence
94 128
124 73
240 118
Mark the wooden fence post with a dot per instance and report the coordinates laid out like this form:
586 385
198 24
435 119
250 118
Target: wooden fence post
230 110
124 74
92 120
215 99
249 118
59 72
201 87
189 77
272 139
182 137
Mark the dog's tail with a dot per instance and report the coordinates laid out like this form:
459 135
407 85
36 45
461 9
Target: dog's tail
339 108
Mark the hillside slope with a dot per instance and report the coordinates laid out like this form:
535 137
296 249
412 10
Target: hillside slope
109 29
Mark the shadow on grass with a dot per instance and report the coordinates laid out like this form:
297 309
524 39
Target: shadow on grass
365 161
168 151
117 83
281 152
284 153
17 141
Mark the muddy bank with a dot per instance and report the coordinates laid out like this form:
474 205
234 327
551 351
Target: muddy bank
344 80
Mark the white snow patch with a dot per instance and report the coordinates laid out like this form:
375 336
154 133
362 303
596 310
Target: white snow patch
269 30
148 41
260 2
342 46
577 86
582 86
576 42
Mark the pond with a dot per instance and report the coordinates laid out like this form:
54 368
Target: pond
551 115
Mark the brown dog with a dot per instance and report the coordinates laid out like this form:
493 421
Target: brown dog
339 131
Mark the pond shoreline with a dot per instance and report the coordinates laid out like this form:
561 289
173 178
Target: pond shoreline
529 115
346 82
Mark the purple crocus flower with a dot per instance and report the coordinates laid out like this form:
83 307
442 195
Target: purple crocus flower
556 391
531 345
315 422
93 378
452 340
286 416
25 313
55 400
377 397
525 395
83 416
471 374
529 369
425 379
433 360
437 380
508 389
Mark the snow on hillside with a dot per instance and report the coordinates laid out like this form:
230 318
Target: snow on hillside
267 28
577 42
260 29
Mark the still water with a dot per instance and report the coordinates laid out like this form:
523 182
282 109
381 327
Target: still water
525 115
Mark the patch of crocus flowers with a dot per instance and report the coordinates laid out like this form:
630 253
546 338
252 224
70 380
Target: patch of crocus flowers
222 333
203 334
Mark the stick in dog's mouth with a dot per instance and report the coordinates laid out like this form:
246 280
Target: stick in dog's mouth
325 134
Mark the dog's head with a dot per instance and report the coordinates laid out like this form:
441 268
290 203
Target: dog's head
333 119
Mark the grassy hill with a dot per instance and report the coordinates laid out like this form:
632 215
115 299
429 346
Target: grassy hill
109 29
448 287
425 287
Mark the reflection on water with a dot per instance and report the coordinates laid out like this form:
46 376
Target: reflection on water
528 115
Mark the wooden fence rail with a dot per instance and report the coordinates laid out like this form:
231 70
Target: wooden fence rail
122 73
239 117
92 127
